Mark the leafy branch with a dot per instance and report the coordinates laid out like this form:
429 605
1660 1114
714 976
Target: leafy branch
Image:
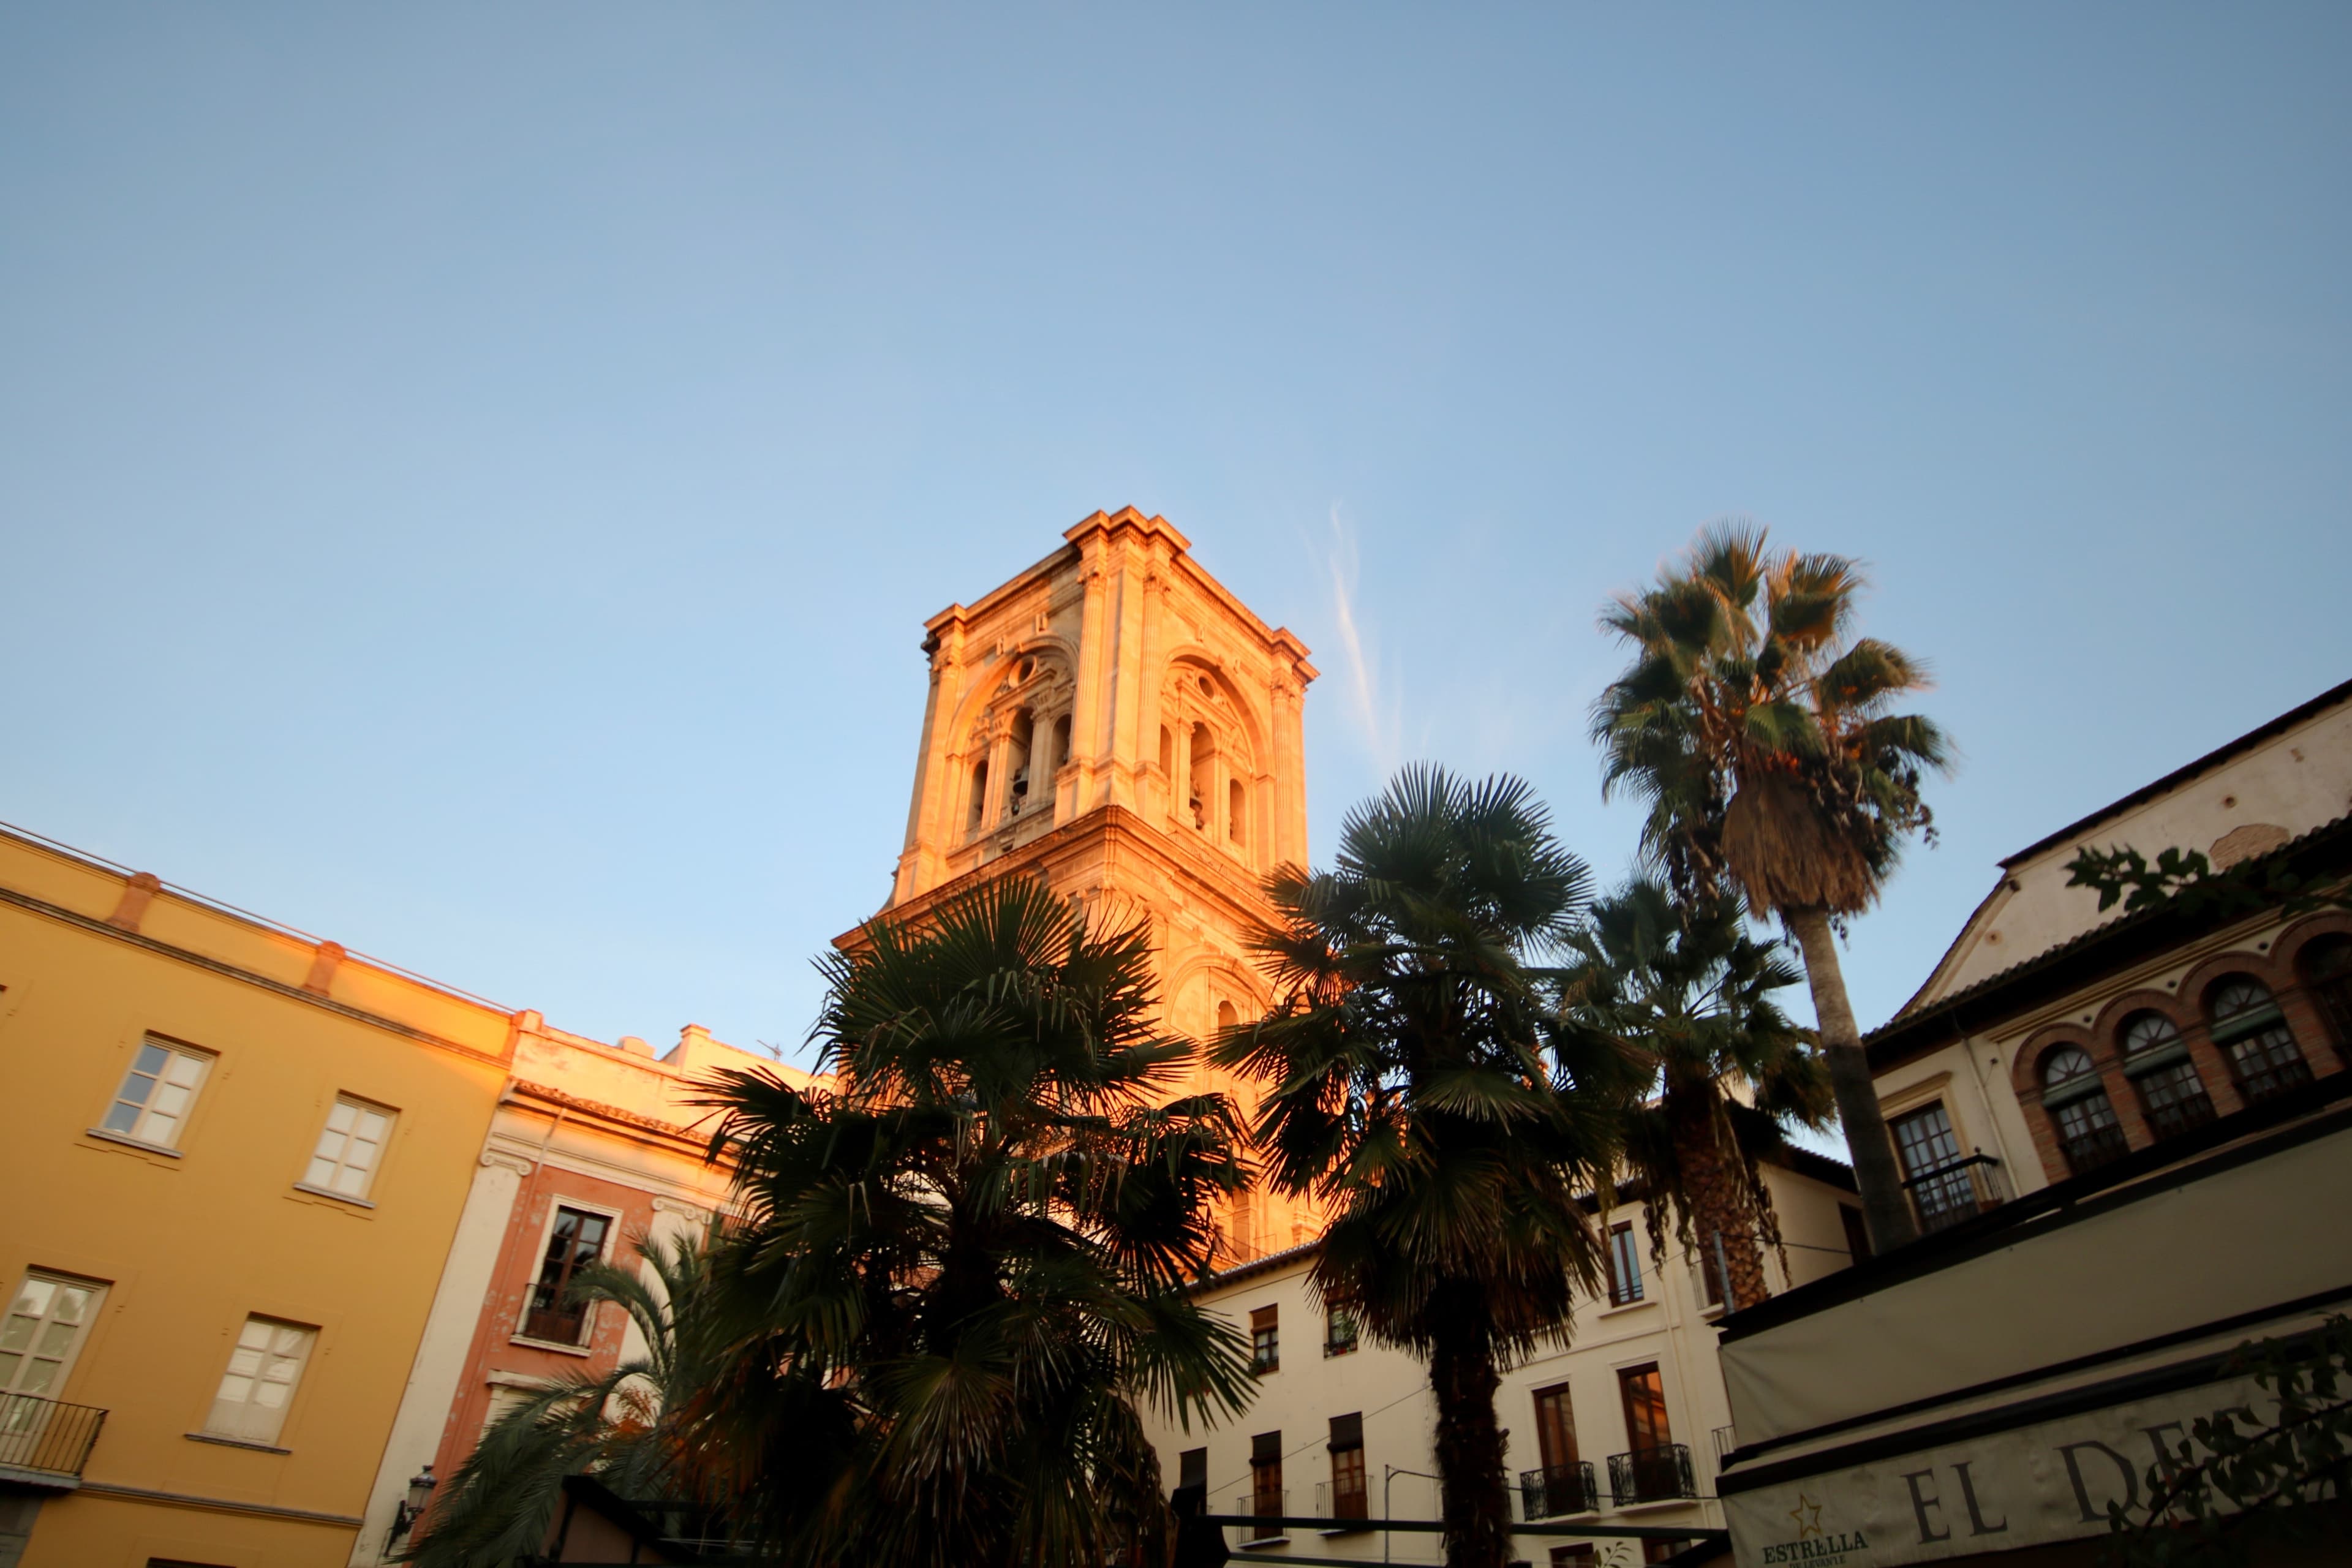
2256 1483
2185 880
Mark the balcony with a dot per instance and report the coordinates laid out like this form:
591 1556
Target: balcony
1662 1474
1558 1490
1342 1504
1961 1190
1267 1503
44 1443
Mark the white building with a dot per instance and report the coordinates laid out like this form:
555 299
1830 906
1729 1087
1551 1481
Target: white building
1620 1431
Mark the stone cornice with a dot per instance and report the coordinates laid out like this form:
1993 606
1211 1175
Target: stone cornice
100 928
1123 834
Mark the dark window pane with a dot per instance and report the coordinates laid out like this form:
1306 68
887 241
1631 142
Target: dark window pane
1555 1427
2174 1100
1930 1153
1645 1395
2089 1131
1624 1266
1857 1234
574 1242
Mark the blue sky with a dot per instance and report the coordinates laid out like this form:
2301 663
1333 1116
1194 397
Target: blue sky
471 477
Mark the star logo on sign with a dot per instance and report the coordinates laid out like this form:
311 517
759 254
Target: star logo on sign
1808 1515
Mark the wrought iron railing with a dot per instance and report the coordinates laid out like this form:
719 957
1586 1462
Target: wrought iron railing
1651 1475
556 1326
1962 1189
1557 1489
46 1437
1341 1502
1268 1503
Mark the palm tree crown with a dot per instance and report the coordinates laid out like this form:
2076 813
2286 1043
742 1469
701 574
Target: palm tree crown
1689 992
959 1269
1760 732
1417 1081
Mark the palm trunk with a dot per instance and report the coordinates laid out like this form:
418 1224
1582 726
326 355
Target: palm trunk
1720 1207
1472 1503
1883 1207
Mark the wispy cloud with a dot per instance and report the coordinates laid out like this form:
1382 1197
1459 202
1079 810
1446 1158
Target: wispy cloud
1378 722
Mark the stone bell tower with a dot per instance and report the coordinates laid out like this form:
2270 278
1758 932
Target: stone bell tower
1114 720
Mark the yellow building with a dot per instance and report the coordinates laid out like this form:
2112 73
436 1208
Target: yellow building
236 1159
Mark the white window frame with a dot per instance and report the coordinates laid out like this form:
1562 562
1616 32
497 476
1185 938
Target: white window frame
261 1425
55 1388
143 1129
555 1203
361 1106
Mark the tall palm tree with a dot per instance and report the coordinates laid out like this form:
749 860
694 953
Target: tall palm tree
1418 1082
1690 992
960 1269
626 1425
1762 733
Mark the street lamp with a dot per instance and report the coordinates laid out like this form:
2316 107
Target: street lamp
411 1507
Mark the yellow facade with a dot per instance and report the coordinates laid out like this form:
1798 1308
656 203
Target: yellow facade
190 1242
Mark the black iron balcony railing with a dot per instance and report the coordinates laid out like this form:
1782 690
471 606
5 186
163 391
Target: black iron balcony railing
1651 1475
44 1437
1268 1503
1557 1489
1342 1502
1960 1190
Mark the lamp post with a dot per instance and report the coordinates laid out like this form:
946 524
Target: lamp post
411 1507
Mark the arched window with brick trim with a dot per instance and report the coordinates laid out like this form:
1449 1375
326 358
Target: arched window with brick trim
2253 1034
2079 1108
2327 965
2171 1096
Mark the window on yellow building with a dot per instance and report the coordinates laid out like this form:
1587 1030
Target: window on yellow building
40 1336
158 1092
263 1373
350 1148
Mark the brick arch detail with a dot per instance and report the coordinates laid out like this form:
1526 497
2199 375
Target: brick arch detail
2025 1075
2312 1030
2262 966
2289 945
2220 1086
2107 1028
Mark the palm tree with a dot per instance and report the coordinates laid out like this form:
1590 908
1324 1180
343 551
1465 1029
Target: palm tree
626 1425
1762 736
960 1269
1417 1081
1691 994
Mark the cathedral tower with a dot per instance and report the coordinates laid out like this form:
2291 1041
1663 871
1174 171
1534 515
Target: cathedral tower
1114 720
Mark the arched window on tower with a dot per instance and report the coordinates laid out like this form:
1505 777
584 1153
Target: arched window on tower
1061 743
978 795
2156 1059
1228 1020
2079 1108
1024 734
2253 1034
1236 813
1203 781
2327 970
1167 756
